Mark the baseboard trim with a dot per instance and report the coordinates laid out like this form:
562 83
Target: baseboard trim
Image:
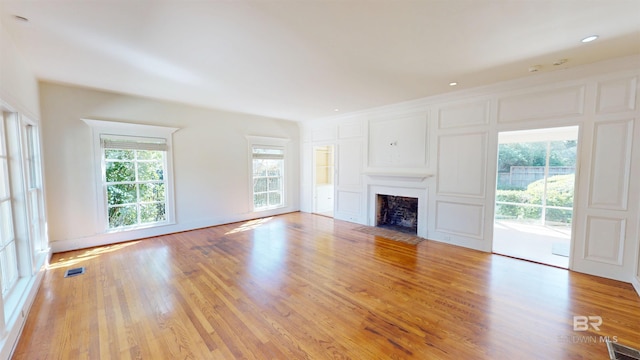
119 237
636 284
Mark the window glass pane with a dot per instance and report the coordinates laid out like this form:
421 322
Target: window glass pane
150 171
151 192
274 184
118 171
150 155
260 185
6 222
123 216
273 167
121 194
4 176
260 200
275 199
259 168
9 267
111 154
152 213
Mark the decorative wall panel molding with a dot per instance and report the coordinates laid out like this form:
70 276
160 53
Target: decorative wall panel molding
542 105
617 95
349 202
350 163
605 240
460 219
466 114
611 165
323 134
398 142
462 164
349 130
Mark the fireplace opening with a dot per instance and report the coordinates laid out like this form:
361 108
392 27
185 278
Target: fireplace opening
398 213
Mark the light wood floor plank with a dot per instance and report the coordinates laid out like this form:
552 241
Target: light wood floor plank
301 286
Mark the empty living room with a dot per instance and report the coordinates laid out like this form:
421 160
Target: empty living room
320 179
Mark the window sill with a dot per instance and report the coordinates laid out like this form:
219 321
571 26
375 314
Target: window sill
269 208
139 227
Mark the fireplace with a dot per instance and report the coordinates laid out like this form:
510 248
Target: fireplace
398 213
409 216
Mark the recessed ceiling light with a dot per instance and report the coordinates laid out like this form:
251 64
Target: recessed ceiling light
20 18
453 83
336 109
589 38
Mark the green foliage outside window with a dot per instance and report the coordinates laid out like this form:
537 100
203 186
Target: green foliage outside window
267 182
559 193
135 187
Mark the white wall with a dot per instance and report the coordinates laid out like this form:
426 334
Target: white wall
459 150
18 94
18 85
210 157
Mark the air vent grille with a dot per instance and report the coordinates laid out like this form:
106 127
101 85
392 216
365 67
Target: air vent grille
74 272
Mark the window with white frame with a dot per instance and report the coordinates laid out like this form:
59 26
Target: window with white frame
134 181
268 177
35 196
8 254
268 157
135 174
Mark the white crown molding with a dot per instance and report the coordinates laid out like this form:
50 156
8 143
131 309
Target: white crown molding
589 72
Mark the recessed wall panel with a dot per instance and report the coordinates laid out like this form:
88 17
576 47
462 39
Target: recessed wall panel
542 105
462 164
611 165
349 202
349 130
398 142
617 95
323 134
460 115
459 218
605 240
349 162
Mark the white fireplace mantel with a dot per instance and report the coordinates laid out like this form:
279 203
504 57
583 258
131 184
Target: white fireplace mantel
398 176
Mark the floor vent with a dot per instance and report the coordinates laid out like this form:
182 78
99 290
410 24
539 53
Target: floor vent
621 352
74 272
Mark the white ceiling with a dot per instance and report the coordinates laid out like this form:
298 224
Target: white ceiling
302 59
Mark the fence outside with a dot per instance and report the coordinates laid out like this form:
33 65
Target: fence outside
519 177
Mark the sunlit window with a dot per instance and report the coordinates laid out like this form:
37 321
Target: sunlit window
134 181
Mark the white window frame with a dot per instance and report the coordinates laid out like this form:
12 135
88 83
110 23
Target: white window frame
268 142
101 128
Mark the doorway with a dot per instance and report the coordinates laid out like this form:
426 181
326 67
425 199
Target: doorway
323 180
535 194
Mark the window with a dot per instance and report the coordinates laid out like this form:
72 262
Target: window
8 254
35 196
134 181
267 166
268 177
134 172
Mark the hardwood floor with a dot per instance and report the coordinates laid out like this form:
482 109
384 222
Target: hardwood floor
302 286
